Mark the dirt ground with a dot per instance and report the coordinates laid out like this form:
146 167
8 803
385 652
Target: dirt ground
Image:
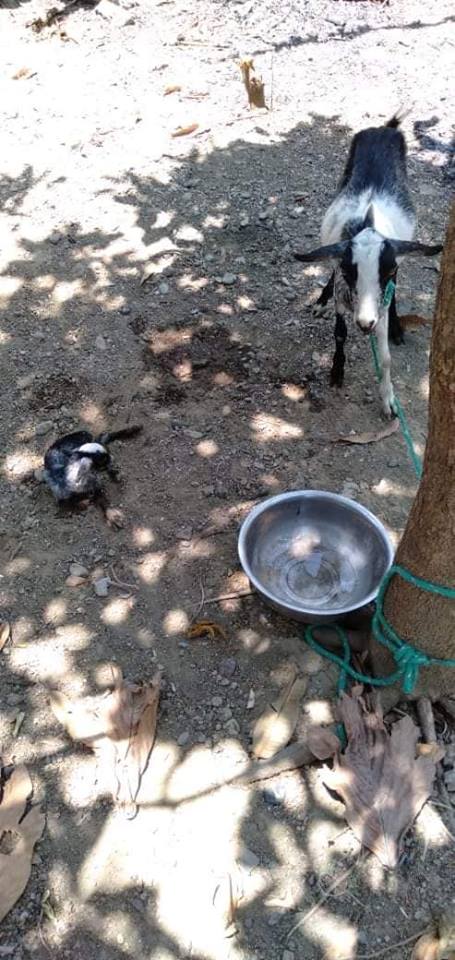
218 355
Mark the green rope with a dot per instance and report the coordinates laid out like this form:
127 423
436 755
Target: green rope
398 411
409 659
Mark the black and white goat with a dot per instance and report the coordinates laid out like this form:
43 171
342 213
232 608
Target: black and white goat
367 228
72 468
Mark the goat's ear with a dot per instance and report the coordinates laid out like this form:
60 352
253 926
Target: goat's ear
332 251
415 248
369 217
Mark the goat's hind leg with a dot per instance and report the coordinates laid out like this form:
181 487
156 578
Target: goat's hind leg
396 333
337 371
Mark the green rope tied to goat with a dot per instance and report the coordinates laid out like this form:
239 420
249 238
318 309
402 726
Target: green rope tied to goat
397 408
408 658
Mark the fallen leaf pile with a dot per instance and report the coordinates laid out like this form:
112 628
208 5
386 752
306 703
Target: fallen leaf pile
379 779
274 728
119 726
226 899
439 943
5 632
18 835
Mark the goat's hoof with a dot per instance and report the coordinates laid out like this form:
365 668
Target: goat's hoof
388 413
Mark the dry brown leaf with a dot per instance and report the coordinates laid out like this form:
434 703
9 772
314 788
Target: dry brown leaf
438 943
253 84
226 900
15 866
274 729
18 721
322 742
184 131
24 73
206 628
148 273
172 88
379 779
372 437
119 726
5 632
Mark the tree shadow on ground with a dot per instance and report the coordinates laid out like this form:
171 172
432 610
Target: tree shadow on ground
217 354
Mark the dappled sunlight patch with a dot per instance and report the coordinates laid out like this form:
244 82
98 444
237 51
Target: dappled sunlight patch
225 309
388 488
188 282
189 234
55 611
120 932
20 463
336 936
46 282
293 392
196 549
4 337
142 536
149 567
207 448
424 388
430 827
319 712
91 413
253 641
375 874
116 611
163 219
44 658
66 290
268 427
9 286
175 622
17 566
322 830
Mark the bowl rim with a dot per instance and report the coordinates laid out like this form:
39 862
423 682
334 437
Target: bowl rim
307 494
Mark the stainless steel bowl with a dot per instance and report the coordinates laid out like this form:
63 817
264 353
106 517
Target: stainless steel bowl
314 556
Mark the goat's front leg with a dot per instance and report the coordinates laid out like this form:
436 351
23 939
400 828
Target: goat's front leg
325 296
385 386
337 371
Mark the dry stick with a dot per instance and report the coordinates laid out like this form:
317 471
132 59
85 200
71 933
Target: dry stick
325 896
229 596
390 946
426 720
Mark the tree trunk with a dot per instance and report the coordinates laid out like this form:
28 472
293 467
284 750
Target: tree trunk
427 548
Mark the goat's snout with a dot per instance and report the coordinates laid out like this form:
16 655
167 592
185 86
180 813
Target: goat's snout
366 326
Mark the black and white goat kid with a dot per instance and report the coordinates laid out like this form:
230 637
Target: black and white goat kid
72 467
367 228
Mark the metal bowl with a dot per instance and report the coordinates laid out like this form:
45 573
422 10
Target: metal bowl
314 556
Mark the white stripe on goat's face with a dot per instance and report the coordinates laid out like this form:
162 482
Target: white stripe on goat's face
367 301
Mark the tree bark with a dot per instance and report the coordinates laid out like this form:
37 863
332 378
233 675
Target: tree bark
427 548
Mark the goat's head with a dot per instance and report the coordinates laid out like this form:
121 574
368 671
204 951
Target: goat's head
366 264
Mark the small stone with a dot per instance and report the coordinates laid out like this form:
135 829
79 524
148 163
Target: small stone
39 474
6 949
244 220
449 781
224 682
163 288
13 699
248 858
101 586
78 570
227 667
24 382
125 311
184 534
228 279
251 700
287 955
216 701
393 464
233 728
194 434
100 343
183 739
225 713
138 904
44 427
350 489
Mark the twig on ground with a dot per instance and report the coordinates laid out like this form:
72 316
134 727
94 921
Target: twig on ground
229 596
328 893
120 583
